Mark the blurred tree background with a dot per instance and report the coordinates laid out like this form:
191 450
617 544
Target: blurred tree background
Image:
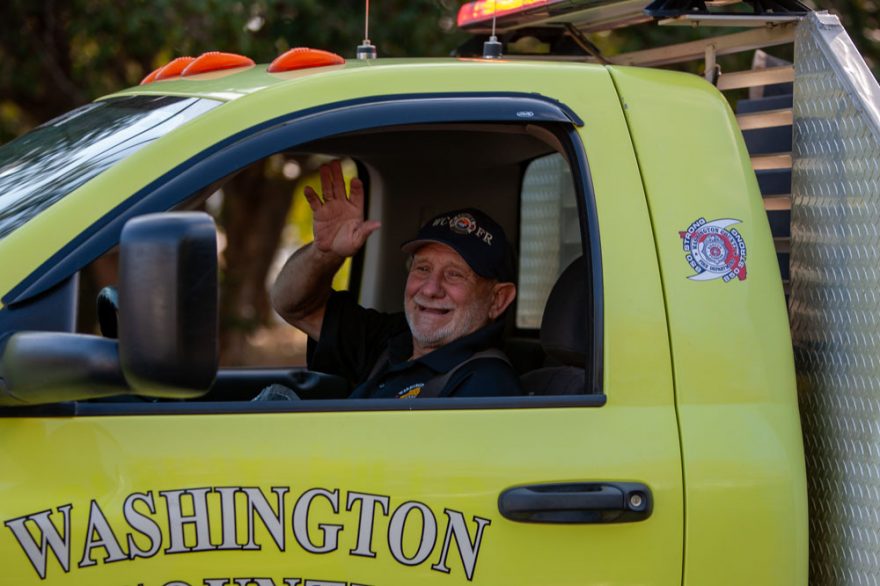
56 55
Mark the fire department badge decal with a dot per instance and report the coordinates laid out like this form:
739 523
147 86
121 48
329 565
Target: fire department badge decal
463 224
715 250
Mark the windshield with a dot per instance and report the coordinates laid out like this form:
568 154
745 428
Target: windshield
44 165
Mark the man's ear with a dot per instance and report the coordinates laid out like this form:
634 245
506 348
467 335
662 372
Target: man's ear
503 295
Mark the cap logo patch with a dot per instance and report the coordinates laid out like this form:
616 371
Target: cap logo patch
463 224
714 250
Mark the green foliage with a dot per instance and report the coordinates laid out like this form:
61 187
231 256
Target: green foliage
58 54
61 54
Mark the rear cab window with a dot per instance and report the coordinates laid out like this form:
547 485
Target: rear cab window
550 234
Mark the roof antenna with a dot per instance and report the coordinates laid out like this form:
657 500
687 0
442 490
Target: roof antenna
366 50
492 48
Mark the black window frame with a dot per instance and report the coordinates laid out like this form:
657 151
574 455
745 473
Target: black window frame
298 128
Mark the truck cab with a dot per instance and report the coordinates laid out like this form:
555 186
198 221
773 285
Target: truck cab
659 428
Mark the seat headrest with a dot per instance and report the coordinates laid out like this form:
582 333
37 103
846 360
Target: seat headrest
564 325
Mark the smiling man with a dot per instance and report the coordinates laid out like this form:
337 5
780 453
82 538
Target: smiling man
444 344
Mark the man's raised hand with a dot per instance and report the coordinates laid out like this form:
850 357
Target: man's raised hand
338 222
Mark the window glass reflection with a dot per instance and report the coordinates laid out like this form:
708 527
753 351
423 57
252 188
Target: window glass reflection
43 166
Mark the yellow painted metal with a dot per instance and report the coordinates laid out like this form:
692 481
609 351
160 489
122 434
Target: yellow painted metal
745 498
458 460
259 97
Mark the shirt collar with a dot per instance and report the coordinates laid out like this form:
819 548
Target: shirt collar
400 348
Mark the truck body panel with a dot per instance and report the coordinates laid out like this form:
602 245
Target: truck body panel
174 478
691 387
162 495
734 378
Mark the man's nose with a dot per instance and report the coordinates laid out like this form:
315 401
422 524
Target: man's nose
433 285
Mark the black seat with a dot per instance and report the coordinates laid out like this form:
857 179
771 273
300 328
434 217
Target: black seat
563 337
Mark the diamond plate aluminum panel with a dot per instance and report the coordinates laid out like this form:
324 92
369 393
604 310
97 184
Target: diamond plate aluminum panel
835 298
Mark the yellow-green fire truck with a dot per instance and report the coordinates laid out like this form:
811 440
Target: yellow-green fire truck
660 440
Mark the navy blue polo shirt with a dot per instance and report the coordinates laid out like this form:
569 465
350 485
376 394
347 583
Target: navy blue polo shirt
353 339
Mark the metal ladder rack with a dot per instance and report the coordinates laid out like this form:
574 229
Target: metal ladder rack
766 124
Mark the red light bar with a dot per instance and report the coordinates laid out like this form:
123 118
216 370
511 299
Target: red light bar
302 58
173 68
151 77
484 10
170 69
184 66
214 61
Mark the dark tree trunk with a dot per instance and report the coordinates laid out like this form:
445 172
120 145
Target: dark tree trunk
255 208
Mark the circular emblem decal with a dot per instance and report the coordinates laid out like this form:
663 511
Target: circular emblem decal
714 250
463 224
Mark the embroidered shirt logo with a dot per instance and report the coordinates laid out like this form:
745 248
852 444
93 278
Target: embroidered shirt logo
411 392
714 250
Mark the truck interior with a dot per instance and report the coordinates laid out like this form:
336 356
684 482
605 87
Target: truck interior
517 173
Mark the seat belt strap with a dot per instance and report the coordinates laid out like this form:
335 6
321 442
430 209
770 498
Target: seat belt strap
435 385
380 364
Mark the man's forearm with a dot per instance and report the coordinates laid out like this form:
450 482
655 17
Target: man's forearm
303 286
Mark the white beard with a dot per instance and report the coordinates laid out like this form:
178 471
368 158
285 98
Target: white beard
470 318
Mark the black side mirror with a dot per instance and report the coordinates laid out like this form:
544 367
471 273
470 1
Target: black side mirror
168 342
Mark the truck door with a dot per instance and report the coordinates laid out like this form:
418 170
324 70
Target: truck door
579 483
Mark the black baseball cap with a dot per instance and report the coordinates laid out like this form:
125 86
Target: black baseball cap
479 240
